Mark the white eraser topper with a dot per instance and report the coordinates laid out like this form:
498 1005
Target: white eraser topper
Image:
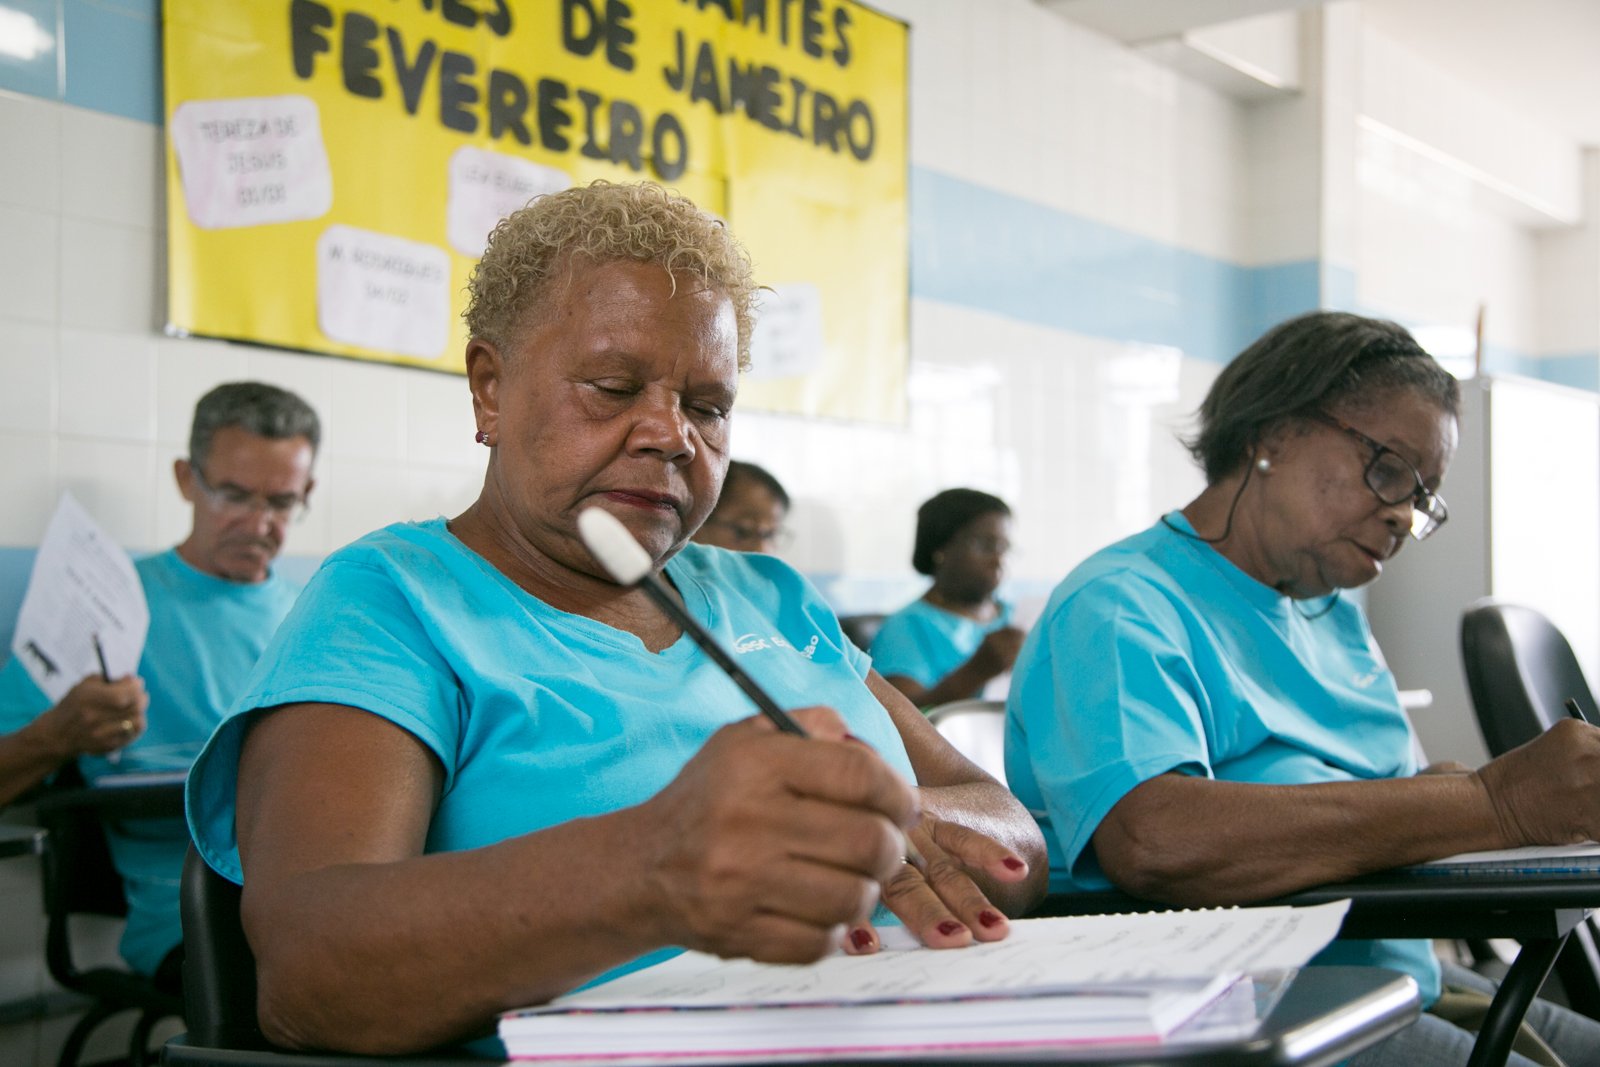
613 546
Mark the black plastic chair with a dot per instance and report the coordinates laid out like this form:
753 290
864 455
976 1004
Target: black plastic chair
976 729
861 629
219 970
1521 671
219 990
79 878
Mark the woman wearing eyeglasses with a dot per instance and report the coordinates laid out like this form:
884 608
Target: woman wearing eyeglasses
750 513
1199 717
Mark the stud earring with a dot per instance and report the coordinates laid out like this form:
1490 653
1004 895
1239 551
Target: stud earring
1263 464
482 438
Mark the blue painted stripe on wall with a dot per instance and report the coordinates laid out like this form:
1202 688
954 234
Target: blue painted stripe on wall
1580 370
31 64
113 55
977 247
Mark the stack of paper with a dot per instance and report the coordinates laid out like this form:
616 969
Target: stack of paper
1109 979
1534 859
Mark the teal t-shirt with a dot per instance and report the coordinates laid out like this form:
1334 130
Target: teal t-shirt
1157 654
537 716
925 643
206 634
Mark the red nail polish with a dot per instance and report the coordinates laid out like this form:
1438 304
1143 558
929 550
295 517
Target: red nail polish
989 918
950 928
861 940
1012 863
853 737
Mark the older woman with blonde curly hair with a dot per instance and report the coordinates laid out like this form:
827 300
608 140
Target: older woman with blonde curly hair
473 772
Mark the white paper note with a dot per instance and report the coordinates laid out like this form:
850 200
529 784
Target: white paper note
83 586
487 186
383 292
251 161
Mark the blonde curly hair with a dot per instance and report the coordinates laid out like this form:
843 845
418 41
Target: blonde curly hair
603 221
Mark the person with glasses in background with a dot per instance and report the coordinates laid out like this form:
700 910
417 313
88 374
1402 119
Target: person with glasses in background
214 604
1200 718
955 639
750 512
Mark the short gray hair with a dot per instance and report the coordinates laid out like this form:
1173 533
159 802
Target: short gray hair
1317 362
603 222
254 407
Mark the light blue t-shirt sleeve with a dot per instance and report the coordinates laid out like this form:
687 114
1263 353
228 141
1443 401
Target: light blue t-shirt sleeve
21 701
898 649
352 638
1105 698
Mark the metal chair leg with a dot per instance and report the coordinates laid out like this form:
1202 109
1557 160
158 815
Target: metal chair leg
1510 1004
72 1048
139 1043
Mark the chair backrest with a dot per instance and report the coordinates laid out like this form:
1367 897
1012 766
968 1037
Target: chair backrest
861 629
1520 672
219 970
78 874
977 730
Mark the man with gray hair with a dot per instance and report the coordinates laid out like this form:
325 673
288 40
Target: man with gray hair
214 605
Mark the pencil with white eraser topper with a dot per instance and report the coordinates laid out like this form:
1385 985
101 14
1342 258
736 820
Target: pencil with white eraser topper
616 550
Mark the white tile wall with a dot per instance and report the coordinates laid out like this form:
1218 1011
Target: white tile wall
30 167
1428 253
109 380
366 417
1568 278
110 169
440 425
30 267
1010 96
28 356
28 475
112 480
186 369
109 277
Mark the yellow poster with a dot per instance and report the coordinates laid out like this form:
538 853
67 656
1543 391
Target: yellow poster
335 166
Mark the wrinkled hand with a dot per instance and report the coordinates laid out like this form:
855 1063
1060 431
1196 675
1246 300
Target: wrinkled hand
998 650
96 716
940 902
1547 792
766 844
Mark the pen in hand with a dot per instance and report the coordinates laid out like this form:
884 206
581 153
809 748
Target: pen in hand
1575 711
115 755
614 548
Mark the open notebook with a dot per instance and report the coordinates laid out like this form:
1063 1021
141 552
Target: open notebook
1105 979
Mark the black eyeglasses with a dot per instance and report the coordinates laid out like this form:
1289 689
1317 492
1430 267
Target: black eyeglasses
748 534
1393 480
238 502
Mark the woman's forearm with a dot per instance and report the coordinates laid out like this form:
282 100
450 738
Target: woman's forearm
405 955
1198 841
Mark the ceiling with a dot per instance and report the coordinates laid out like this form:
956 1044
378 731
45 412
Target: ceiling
1541 57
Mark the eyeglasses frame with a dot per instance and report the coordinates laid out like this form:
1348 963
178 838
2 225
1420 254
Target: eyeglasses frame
1418 494
257 503
781 536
